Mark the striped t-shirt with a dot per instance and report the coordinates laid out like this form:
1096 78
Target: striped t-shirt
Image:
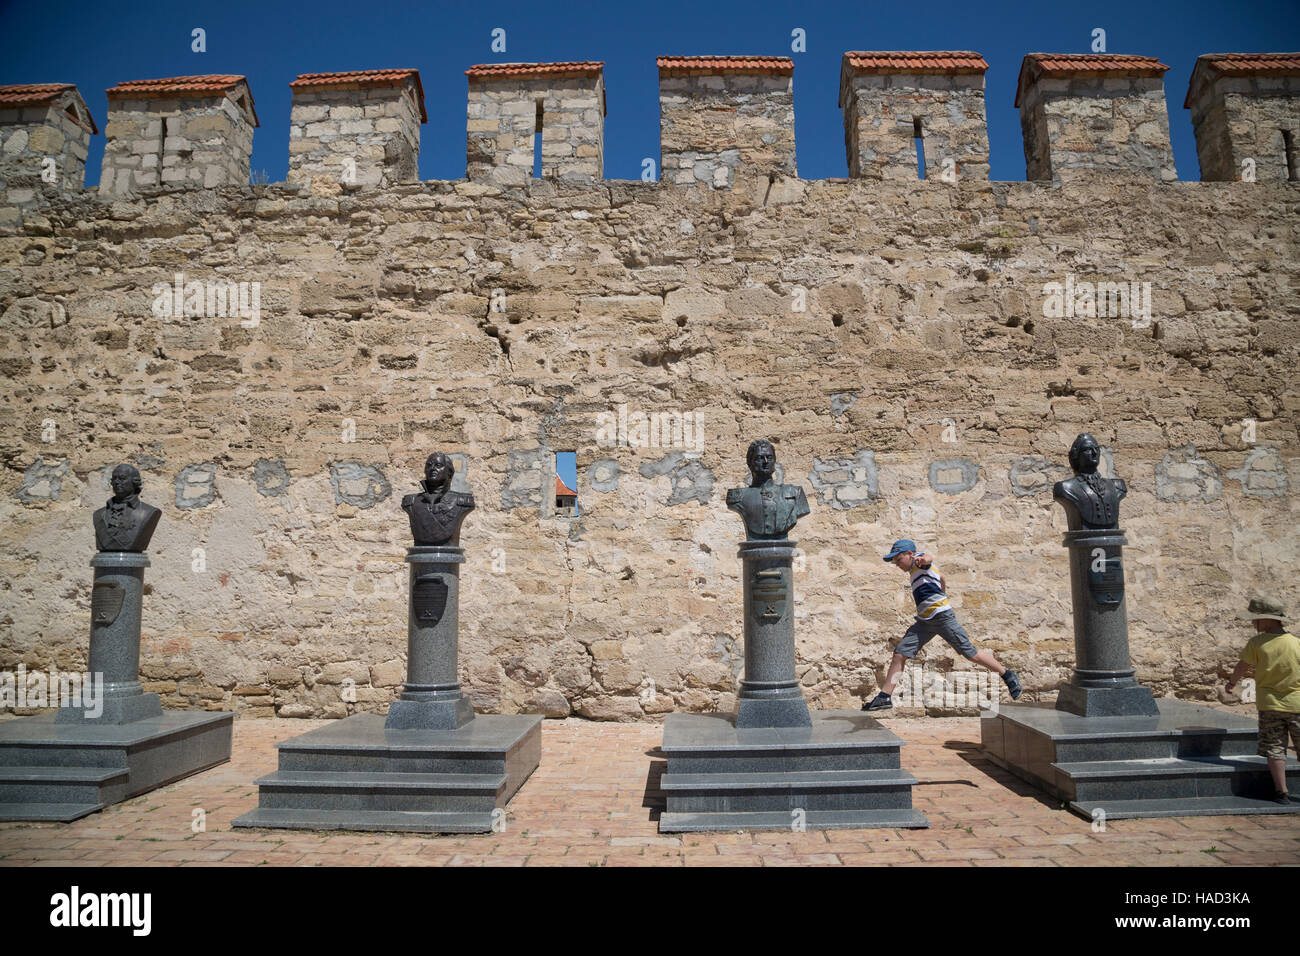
927 590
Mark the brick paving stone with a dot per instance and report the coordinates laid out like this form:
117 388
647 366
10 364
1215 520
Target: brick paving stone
594 802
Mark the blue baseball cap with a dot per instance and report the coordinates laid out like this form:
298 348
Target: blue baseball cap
901 545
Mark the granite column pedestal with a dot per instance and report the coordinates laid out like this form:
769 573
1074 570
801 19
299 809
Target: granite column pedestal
1104 682
430 766
769 695
115 606
431 697
116 742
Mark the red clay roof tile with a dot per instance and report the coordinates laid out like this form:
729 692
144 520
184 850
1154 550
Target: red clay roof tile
32 94
1245 64
363 80
777 65
41 94
180 87
1211 66
562 489
175 86
483 71
915 61
1035 65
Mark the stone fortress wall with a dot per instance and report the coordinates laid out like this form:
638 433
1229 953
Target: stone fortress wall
899 340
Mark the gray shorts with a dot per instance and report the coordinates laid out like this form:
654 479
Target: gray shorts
945 625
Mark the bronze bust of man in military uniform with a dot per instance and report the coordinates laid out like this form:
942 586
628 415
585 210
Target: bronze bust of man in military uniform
1091 502
125 523
770 510
436 512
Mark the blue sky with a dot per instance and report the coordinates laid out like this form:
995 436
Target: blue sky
97 45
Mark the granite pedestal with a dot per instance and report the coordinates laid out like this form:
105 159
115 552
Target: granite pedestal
59 772
1186 760
356 774
1109 749
63 765
431 765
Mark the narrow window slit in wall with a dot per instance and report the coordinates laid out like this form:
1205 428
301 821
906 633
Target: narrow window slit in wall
1292 160
919 138
162 152
537 143
566 483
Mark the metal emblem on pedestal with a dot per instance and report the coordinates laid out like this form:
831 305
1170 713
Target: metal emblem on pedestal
430 598
106 599
1107 586
769 595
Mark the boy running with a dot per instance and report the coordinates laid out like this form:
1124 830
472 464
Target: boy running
934 615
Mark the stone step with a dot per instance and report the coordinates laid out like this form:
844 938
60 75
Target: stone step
793 790
79 754
784 820
426 759
367 820
393 792
1179 807
61 774
1157 745
59 785
882 755
46 812
837 740
1168 778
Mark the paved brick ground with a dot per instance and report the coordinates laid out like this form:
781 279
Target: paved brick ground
594 801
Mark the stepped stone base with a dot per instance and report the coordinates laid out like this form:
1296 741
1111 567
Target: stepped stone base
1188 760
355 774
59 772
843 772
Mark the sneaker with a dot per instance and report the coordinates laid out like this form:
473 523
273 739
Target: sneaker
1012 680
881 701
1282 797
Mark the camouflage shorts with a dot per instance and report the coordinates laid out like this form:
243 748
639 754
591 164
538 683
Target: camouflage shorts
1273 728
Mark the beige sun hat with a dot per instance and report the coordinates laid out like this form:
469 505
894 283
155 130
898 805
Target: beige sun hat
1262 608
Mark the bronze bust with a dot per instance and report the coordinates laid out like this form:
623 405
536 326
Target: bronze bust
1091 502
125 523
436 512
768 509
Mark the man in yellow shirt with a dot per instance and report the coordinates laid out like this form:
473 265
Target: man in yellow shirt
1275 655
